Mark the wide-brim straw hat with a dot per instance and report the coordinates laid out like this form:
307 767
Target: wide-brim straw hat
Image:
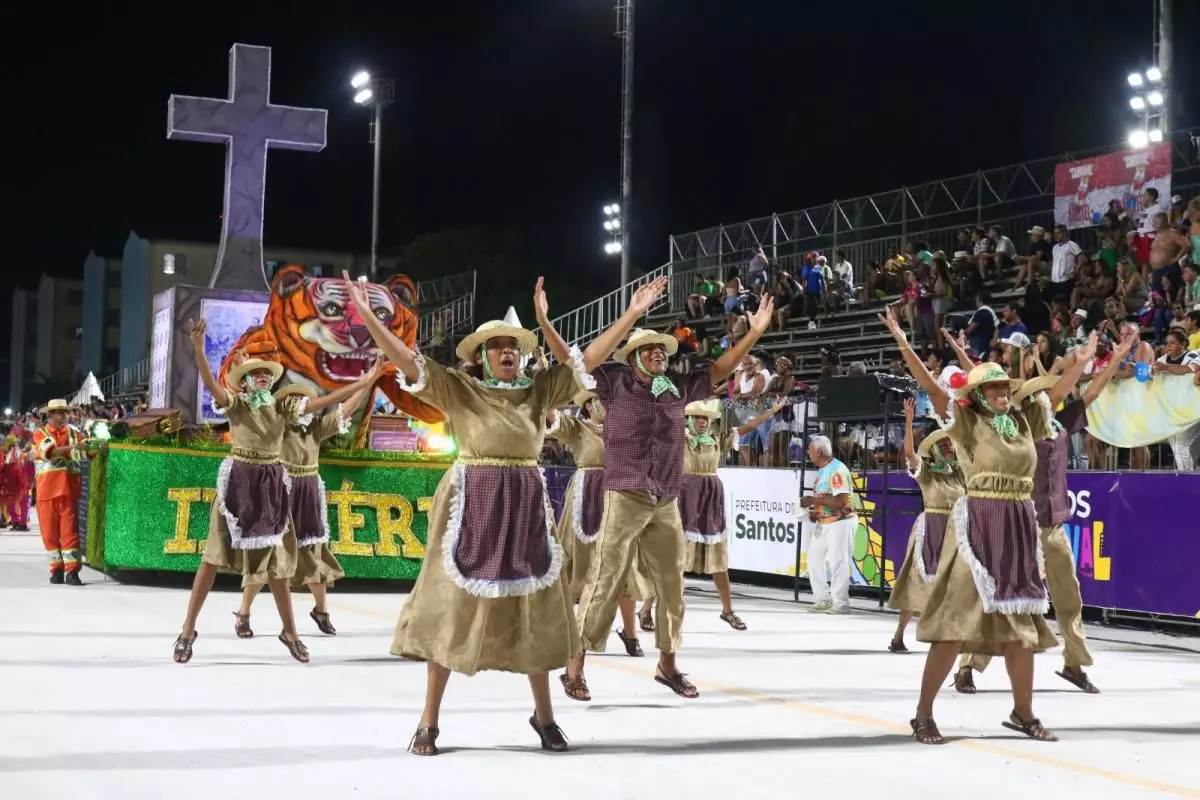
468 348
987 372
239 371
58 404
703 408
1032 386
929 441
582 398
642 337
296 388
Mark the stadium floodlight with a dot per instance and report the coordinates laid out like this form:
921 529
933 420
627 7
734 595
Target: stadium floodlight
1156 135
1135 79
364 96
8 412
1139 138
1137 102
360 79
612 248
1155 99
1154 75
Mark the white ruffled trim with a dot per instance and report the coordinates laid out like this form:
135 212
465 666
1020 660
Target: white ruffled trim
915 474
237 540
323 537
704 538
553 427
220 410
494 589
419 383
985 584
946 421
582 376
918 536
577 507
345 421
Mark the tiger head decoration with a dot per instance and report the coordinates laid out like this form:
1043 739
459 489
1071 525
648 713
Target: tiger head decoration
313 329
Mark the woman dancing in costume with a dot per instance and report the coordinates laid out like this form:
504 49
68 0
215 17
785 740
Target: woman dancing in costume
489 596
935 469
583 505
308 535
988 595
702 501
250 512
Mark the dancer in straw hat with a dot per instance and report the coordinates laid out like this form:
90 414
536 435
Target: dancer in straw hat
988 595
1053 507
583 503
934 467
702 500
490 594
59 449
300 451
250 512
644 445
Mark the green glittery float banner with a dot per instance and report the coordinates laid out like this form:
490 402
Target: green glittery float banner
157 503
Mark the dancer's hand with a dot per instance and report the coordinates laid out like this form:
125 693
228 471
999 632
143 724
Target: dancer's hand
376 371
888 318
910 409
541 304
196 330
357 289
761 320
1088 351
648 294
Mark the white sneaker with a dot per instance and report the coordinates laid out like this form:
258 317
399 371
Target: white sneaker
822 607
838 610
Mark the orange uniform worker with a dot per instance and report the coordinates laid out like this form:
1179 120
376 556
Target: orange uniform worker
58 450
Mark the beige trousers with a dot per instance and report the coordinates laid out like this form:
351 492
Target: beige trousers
635 522
1064 594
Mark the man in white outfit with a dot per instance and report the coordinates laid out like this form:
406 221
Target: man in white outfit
831 506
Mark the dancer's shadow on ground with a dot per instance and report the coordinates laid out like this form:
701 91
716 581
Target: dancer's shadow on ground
681 747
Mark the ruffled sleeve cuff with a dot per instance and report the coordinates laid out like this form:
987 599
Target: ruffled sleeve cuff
582 376
915 474
344 421
555 423
946 421
417 385
223 410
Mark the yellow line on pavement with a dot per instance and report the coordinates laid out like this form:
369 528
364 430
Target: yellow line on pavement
877 723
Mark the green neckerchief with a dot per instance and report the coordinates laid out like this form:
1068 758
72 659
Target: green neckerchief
1003 424
492 382
660 383
942 465
698 439
257 398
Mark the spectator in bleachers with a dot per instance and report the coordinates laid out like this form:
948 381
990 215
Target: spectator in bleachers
1178 211
1091 281
735 295
782 384
706 299
1140 353
843 280
982 327
1166 249
1177 360
1108 256
1004 252
905 309
981 251
1036 260
1192 327
1191 281
943 295
1046 355
1034 312
789 299
1062 268
813 280
758 272
874 286
751 383
831 363
1193 219
688 343
924 324
1132 291
1011 322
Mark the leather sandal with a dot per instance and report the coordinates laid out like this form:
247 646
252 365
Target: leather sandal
241 626
679 684
1078 678
576 688
424 741
646 620
183 648
734 621
632 646
964 681
926 731
323 623
1032 728
553 739
295 647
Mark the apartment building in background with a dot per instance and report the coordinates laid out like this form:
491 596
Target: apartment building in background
118 294
47 331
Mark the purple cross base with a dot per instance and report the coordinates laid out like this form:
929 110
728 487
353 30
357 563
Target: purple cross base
247 123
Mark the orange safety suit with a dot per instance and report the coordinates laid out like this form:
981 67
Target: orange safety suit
59 485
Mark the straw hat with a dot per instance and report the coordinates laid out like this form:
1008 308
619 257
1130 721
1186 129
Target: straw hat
929 441
703 408
296 388
239 371
58 404
643 337
987 372
582 398
1032 386
468 348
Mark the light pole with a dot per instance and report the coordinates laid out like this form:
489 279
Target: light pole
625 32
377 93
615 231
1149 101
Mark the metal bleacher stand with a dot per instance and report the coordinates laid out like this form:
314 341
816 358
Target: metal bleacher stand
862 400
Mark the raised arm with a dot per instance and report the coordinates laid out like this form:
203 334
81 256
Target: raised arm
910 450
956 344
1105 377
938 396
554 342
1063 387
396 350
760 320
751 424
353 391
604 345
219 393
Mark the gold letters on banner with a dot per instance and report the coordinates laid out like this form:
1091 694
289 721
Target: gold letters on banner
393 517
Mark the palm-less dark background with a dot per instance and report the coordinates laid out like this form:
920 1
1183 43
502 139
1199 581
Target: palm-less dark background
507 117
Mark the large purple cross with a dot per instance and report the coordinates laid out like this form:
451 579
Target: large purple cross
247 123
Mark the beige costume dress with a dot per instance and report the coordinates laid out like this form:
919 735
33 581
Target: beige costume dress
249 516
309 532
926 542
989 589
583 502
489 596
702 506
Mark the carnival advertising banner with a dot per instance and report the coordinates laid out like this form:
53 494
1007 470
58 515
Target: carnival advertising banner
1134 534
1083 189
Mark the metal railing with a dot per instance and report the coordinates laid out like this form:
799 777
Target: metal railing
439 291
444 325
125 380
581 326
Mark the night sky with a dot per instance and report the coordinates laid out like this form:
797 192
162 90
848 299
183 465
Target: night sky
507 115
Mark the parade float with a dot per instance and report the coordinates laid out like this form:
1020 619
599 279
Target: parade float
148 493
